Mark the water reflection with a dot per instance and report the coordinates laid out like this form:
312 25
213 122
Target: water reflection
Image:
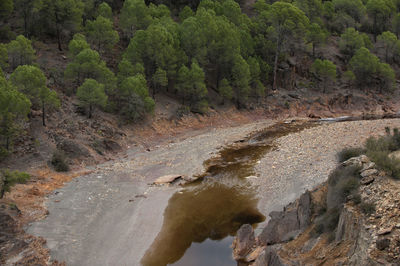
211 210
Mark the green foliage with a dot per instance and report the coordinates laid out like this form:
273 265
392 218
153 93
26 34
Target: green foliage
105 11
316 36
14 109
192 88
354 9
379 12
28 10
350 41
387 76
31 81
364 64
10 178
348 153
288 22
6 8
324 70
225 89
349 77
59 161
77 44
87 64
159 79
185 13
240 80
126 69
389 43
396 24
3 56
91 94
101 34
134 16
378 150
62 16
20 52
133 98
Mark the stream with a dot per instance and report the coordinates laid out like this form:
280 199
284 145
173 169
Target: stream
202 218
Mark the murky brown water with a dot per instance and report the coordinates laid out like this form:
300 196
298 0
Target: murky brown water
203 217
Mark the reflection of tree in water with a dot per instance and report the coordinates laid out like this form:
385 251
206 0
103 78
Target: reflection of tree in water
212 210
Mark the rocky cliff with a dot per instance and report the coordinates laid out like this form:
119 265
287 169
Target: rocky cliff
366 230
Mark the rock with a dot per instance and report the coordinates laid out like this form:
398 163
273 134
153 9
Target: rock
364 159
269 257
243 242
395 155
367 180
383 243
385 231
166 179
367 166
348 225
289 222
355 161
304 210
255 254
369 172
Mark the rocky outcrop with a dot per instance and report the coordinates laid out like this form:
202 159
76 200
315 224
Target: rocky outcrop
243 242
269 257
287 224
367 233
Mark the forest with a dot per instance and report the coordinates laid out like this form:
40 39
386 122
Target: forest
121 54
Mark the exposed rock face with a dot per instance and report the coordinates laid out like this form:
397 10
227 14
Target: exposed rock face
243 242
288 223
360 238
269 257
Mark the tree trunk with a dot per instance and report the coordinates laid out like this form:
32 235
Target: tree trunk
43 115
59 38
277 52
90 110
313 50
375 26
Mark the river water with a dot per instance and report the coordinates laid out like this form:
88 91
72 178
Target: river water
202 218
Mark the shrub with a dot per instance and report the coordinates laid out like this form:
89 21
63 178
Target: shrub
10 178
348 153
327 222
367 208
58 160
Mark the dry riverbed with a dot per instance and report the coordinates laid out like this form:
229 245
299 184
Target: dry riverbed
112 216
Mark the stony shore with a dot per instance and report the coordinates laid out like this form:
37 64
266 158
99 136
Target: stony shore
113 215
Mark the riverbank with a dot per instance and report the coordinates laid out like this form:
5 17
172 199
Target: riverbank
115 202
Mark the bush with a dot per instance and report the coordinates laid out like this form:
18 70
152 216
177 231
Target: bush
327 222
367 208
348 153
10 178
58 161
378 150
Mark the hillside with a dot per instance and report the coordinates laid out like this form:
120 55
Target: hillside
85 83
